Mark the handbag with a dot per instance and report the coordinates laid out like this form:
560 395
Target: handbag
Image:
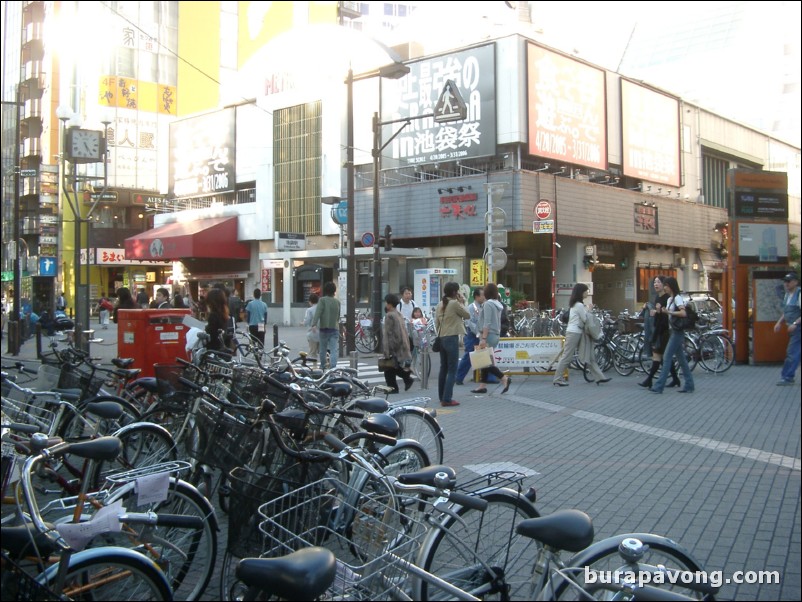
481 358
386 363
437 345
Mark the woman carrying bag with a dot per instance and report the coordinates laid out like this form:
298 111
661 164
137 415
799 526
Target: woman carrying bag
395 345
450 319
489 327
577 339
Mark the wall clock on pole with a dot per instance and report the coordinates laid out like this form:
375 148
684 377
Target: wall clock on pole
85 146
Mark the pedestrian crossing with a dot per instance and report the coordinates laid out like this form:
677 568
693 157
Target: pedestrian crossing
366 372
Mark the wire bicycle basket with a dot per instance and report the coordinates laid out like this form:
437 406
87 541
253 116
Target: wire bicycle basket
373 547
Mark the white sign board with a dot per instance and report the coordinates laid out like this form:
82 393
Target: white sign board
290 241
527 355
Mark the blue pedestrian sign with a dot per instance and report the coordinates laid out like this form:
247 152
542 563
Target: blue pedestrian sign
47 266
368 239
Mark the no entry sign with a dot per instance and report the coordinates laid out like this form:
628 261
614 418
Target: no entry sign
543 210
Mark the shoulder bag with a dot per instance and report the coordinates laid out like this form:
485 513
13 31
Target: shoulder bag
386 363
436 344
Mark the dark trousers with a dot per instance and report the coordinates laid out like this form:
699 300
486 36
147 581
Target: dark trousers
254 330
391 375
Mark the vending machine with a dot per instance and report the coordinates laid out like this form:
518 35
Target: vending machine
428 286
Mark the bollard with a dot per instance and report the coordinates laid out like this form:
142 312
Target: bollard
13 337
275 335
424 381
38 341
355 360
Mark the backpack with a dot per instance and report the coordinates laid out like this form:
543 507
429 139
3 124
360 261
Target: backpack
505 321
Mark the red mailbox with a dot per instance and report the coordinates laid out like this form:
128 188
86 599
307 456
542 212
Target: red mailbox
152 336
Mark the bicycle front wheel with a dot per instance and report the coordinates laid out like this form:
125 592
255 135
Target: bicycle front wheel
453 550
660 554
110 574
418 424
366 341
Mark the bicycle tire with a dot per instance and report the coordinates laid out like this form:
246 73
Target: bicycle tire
109 574
604 556
418 424
143 444
451 552
187 556
418 361
366 342
73 429
716 353
624 357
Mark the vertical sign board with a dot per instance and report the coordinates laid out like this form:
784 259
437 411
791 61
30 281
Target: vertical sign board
758 209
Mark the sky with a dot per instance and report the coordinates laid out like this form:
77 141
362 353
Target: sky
736 58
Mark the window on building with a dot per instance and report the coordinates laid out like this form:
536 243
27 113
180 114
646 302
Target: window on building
297 155
714 181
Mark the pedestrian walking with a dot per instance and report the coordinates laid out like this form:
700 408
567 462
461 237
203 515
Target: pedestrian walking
256 315
791 318
674 309
471 337
395 345
312 333
327 318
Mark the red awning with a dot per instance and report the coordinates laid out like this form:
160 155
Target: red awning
214 237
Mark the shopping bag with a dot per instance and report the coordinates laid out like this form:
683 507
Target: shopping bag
481 358
386 363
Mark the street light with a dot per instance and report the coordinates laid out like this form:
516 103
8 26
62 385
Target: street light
394 70
90 149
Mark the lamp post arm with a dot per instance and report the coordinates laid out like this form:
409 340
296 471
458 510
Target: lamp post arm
405 120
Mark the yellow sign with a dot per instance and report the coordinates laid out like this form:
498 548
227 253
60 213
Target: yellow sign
478 272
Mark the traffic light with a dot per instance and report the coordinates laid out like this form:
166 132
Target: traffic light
388 238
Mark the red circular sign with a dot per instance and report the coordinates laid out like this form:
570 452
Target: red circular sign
543 210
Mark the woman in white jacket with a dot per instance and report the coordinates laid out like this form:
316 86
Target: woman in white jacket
574 334
489 327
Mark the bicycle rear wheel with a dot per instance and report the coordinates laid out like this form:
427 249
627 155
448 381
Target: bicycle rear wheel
452 552
716 353
112 574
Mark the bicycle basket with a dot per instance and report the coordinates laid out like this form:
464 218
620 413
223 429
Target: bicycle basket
167 383
370 537
29 412
249 490
18 584
630 326
223 441
80 377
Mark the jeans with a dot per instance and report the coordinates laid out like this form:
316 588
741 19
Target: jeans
470 341
329 341
792 355
674 347
449 358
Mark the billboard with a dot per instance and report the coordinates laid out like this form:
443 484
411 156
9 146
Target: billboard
424 141
203 154
650 126
566 109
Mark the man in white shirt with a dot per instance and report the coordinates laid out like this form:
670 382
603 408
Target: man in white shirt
407 304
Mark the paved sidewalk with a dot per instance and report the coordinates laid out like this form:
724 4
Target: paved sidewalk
717 471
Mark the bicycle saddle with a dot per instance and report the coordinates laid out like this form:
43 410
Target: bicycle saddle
570 530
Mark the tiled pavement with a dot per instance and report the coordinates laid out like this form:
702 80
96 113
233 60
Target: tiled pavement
718 470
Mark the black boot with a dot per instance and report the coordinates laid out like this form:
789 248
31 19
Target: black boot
674 378
648 382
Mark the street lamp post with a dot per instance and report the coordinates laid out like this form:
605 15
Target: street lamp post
394 70
94 154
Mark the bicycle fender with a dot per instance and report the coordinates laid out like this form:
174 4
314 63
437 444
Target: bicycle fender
427 415
584 557
136 425
404 443
211 514
102 553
